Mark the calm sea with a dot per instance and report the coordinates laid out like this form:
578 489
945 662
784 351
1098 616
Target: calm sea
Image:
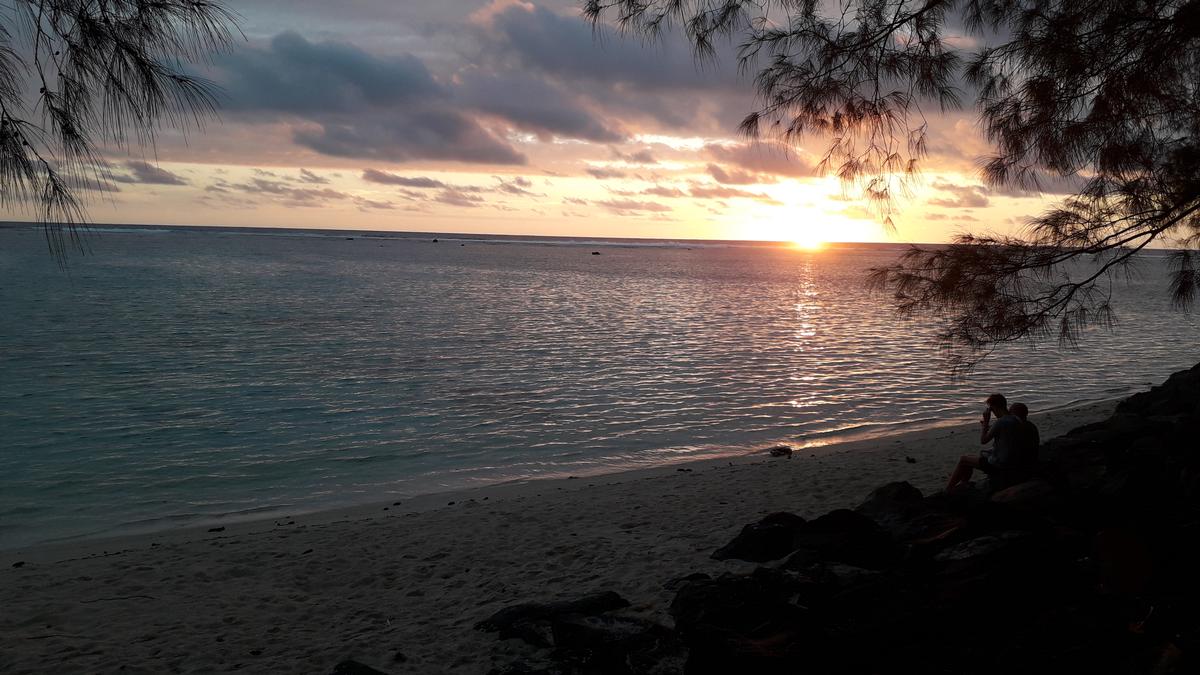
177 377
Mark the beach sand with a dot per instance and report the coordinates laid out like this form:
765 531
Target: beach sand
400 587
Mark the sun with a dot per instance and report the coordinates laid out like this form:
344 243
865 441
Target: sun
808 241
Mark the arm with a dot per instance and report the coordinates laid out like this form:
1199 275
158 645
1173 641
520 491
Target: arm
986 434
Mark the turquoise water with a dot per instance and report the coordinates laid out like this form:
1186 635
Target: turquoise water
179 377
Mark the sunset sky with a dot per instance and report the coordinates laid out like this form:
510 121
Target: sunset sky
509 117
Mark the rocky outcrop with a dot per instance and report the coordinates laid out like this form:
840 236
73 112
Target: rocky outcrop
1090 567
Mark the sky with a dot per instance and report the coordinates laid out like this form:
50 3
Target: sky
511 117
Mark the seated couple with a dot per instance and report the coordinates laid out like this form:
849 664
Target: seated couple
1014 440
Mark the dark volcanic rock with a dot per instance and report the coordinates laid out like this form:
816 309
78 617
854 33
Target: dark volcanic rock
744 624
843 536
771 538
901 510
1032 496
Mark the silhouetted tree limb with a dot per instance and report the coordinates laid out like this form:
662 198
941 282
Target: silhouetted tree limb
1103 92
77 73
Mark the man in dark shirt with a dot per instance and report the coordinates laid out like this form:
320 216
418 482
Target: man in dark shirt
1006 435
1027 458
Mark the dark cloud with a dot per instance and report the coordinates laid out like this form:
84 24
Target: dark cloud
358 104
629 78
296 76
310 177
147 173
534 105
385 178
411 135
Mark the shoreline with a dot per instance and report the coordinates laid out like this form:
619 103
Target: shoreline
834 443
401 589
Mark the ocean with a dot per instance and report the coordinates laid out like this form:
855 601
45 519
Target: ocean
184 376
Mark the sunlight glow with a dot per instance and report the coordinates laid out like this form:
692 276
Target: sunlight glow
809 241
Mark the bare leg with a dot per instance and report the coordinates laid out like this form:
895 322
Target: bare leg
962 472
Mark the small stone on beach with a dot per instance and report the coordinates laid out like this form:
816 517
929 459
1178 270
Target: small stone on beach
216 529
19 563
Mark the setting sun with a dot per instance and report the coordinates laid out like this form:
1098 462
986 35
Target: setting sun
809 241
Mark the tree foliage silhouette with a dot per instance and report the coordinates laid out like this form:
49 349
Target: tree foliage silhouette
75 74
1105 93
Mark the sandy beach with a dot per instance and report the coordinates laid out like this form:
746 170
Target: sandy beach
400 586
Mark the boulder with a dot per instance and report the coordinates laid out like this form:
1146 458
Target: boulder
843 536
901 510
744 624
1032 496
771 538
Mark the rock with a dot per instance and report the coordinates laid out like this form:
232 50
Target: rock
771 538
843 536
216 529
674 584
352 667
910 460
900 509
19 564
595 252
744 624
1033 496
399 657
530 621
780 451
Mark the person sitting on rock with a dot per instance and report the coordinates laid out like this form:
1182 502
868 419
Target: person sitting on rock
1006 435
1027 456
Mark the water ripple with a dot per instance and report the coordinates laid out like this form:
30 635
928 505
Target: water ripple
172 379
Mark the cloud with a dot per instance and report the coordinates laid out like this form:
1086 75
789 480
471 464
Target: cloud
385 178
454 196
146 173
602 173
737 176
411 135
661 191
632 206
296 76
281 191
643 156
310 177
762 157
515 187
534 105
961 196
357 104
722 192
